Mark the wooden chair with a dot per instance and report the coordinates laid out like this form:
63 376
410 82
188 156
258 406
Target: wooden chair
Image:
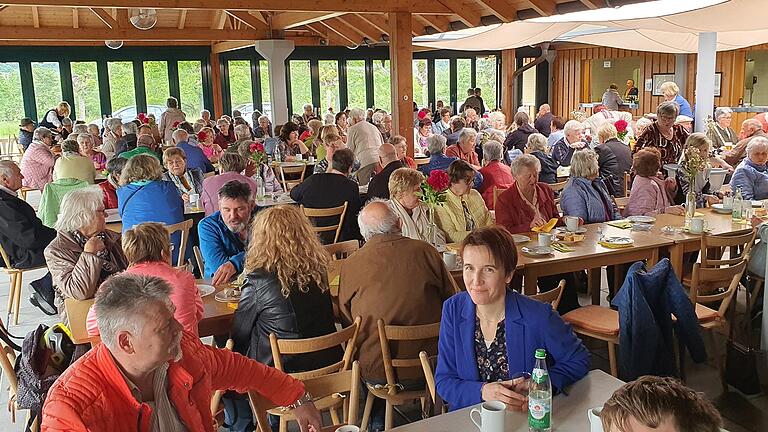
496 192
24 191
621 203
627 183
421 161
713 248
346 337
391 392
184 227
216 398
342 250
14 291
339 385
291 171
715 286
327 212
199 260
428 364
552 297
600 323
77 313
7 361
557 187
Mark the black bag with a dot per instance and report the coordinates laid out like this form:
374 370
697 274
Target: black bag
741 368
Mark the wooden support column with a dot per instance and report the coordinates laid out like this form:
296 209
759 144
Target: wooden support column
401 73
508 64
218 101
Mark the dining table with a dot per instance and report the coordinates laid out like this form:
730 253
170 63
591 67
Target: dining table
115 221
569 409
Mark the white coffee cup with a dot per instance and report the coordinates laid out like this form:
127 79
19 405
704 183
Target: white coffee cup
492 415
595 423
311 159
545 239
194 198
348 428
698 225
571 223
450 258
299 156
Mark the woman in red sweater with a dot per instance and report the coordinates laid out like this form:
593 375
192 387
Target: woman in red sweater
109 186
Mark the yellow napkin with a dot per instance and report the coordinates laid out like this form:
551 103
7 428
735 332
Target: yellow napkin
613 245
623 224
335 281
547 227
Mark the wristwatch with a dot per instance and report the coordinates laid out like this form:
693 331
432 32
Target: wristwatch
303 400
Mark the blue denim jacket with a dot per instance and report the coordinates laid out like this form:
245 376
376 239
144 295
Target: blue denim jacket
645 302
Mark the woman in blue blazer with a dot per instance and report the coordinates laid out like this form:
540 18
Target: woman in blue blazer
489 333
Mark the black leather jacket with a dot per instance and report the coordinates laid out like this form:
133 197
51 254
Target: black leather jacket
263 310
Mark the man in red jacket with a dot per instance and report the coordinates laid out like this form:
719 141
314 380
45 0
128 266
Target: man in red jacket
148 375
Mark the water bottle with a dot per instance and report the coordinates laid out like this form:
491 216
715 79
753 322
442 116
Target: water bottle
738 202
277 153
540 396
260 190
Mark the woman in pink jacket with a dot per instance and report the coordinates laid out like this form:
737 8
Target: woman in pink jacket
649 195
148 247
37 163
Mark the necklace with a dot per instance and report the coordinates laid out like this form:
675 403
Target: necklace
484 318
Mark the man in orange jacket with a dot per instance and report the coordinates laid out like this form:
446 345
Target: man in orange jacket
148 375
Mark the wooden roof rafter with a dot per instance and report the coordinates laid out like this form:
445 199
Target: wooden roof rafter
105 17
503 10
182 19
331 37
544 7
468 16
248 19
289 20
361 26
378 21
594 4
440 23
161 34
352 37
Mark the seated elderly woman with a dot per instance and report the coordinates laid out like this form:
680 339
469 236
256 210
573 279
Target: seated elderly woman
649 195
585 195
128 141
495 173
225 135
664 134
271 182
528 203
86 146
518 138
38 160
232 166
421 133
704 193
84 253
109 187
720 133
537 146
404 187
290 144
464 209
465 148
402 151
147 248
751 176
438 160
72 164
481 342
113 130
572 140
145 197
211 150
613 157
187 181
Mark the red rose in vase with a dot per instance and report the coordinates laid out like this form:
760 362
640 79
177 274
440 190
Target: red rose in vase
439 180
621 128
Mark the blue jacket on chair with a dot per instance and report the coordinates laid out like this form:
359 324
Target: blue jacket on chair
646 301
529 325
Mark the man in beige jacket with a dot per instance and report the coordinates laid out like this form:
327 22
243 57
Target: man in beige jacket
364 139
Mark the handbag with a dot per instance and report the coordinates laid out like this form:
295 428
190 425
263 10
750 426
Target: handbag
741 365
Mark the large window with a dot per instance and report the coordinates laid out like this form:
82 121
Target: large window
329 85
240 90
157 87
122 91
382 90
12 103
301 89
485 78
355 84
47 81
463 79
266 98
443 82
420 83
191 88
85 85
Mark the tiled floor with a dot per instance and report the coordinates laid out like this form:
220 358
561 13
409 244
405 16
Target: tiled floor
741 414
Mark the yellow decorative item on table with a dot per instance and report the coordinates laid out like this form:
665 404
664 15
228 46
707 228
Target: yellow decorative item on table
547 227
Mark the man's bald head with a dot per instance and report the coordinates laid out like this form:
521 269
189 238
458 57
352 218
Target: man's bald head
377 218
387 153
750 127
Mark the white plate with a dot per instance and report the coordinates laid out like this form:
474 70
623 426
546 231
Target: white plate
519 238
718 208
579 230
757 203
618 240
642 219
537 250
205 290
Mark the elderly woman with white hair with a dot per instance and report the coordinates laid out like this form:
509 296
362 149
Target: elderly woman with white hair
112 132
128 141
465 148
86 144
264 129
72 164
537 146
496 175
751 176
84 253
671 93
364 139
404 190
585 195
572 140
664 134
720 132
37 164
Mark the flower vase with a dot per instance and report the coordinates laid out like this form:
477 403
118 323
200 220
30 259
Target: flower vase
432 227
690 202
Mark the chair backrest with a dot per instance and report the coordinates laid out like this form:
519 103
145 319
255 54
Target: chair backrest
716 284
184 227
339 211
334 384
552 296
627 183
713 248
77 313
557 187
346 337
199 260
389 333
496 192
291 170
216 398
621 202
342 250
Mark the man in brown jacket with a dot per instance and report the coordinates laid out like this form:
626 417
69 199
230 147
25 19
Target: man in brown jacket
750 129
394 278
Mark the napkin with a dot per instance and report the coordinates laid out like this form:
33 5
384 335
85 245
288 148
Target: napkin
613 245
335 281
547 227
623 224
562 247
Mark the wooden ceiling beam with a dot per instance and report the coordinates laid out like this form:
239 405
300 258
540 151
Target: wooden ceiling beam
182 19
126 34
288 20
3 7
75 18
468 16
440 23
105 17
248 19
35 17
350 29
331 37
594 4
122 18
503 10
364 6
353 38
361 26
417 27
377 20
218 19
544 7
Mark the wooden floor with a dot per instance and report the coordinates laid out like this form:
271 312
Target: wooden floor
740 414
